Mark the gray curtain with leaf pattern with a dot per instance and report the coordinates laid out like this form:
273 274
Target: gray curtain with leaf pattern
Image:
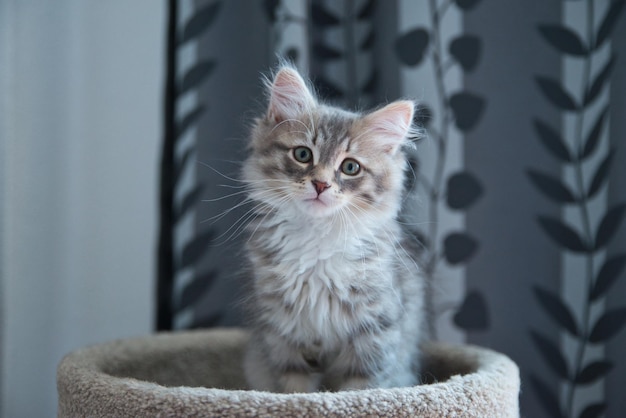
520 191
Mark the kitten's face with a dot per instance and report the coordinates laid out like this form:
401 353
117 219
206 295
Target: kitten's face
324 162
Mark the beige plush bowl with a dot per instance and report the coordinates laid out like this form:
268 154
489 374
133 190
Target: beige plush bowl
198 374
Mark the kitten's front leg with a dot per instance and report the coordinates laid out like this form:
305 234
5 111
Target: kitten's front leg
351 371
273 363
299 382
368 361
356 383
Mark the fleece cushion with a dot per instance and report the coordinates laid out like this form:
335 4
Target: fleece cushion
199 374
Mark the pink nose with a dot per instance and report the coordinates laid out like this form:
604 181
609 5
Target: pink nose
320 186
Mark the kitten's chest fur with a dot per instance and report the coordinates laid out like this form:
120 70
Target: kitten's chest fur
318 283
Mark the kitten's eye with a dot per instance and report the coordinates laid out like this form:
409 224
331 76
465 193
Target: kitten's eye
350 167
303 154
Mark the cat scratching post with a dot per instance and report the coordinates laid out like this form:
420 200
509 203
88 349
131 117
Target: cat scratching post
199 374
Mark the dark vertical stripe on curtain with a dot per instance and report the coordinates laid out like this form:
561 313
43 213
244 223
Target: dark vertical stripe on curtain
515 255
385 28
165 250
616 379
239 43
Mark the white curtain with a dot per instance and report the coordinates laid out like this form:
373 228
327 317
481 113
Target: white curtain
80 115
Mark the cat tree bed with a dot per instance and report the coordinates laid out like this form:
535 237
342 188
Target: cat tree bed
199 374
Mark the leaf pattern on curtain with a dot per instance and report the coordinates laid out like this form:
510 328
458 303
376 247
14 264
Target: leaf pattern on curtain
507 230
460 190
281 16
175 205
341 51
582 238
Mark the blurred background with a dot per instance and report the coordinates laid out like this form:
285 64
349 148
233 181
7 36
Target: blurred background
123 125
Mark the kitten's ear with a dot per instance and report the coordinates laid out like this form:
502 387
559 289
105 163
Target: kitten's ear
389 127
289 96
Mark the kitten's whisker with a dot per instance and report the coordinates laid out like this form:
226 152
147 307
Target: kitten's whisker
230 186
219 216
244 226
280 203
422 223
286 121
370 233
413 173
265 182
344 228
305 133
242 220
219 172
360 244
257 211
216 199
398 245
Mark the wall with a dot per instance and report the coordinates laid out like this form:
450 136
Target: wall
80 135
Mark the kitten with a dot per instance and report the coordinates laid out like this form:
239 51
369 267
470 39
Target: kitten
336 296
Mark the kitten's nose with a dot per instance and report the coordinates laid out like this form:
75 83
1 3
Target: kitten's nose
320 186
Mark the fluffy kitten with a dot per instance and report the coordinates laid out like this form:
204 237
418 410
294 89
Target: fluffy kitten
336 297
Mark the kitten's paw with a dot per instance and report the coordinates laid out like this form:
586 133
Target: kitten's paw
299 382
258 374
356 383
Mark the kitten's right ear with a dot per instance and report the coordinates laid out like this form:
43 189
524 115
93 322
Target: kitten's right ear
388 127
289 96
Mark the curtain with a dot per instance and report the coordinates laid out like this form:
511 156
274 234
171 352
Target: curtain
520 193
80 87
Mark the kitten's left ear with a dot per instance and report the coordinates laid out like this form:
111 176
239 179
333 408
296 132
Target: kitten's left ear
388 127
289 96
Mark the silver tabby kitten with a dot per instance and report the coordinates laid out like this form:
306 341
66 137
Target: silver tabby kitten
336 297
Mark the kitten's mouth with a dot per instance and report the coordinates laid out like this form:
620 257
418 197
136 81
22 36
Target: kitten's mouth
316 206
317 201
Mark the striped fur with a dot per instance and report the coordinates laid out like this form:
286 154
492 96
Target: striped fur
336 297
